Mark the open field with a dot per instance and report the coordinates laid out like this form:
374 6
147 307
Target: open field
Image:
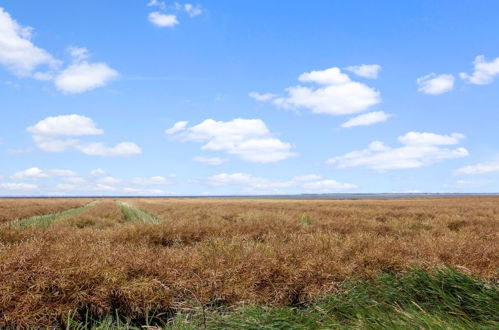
180 260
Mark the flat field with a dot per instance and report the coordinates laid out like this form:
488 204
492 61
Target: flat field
245 263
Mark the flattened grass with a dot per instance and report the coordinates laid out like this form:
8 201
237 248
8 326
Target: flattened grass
134 214
47 219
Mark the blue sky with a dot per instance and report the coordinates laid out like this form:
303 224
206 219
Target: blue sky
248 97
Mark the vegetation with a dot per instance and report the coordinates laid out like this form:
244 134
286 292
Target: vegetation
312 263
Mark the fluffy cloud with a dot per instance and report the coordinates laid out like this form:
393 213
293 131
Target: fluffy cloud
262 97
417 150
100 149
249 139
156 3
336 94
17 53
192 10
484 72
35 173
214 161
367 119
179 126
434 85
152 181
56 134
18 187
98 172
247 183
480 168
84 76
67 125
370 71
163 20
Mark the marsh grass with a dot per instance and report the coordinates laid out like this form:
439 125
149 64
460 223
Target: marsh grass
416 299
135 214
48 219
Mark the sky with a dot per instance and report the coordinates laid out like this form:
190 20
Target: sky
248 97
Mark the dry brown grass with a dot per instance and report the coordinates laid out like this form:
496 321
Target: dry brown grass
12 209
210 251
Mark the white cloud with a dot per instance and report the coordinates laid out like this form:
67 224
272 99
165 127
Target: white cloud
262 97
480 168
365 70
152 181
74 179
17 53
214 161
65 125
109 180
193 10
417 150
18 187
98 172
163 20
177 127
484 72
84 76
249 139
367 119
135 191
35 173
156 3
54 134
19 151
100 149
434 85
78 53
337 94
327 186
247 183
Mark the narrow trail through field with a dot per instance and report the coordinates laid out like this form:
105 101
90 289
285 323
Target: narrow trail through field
47 219
134 214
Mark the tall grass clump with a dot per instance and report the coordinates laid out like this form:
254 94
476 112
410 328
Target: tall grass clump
416 299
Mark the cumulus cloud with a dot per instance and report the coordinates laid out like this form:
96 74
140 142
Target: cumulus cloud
214 161
98 172
249 139
18 187
480 168
247 183
56 134
156 3
434 84
177 127
36 173
17 53
84 76
370 71
152 181
417 150
483 72
163 20
334 93
193 10
367 119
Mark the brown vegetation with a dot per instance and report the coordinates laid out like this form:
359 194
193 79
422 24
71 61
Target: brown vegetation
12 209
226 252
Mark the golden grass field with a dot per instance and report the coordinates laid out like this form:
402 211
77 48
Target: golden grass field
165 255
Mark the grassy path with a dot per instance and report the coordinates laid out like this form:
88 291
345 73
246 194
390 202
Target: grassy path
134 214
47 219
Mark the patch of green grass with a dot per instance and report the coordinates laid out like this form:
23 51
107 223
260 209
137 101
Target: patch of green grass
416 299
134 214
47 219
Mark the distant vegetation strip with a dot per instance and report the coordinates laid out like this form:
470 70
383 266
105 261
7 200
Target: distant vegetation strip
416 299
134 214
47 219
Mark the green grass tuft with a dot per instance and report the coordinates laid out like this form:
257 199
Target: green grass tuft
134 214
